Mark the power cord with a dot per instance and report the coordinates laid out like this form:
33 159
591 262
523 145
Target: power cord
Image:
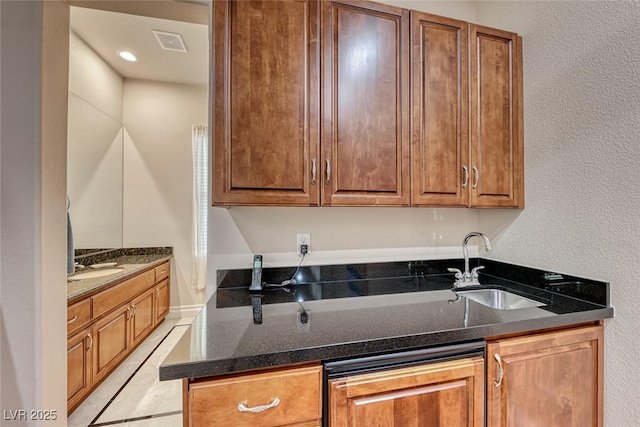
304 316
293 281
287 282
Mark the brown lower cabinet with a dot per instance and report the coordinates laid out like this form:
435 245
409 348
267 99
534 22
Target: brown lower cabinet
438 394
117 322
161 300
283 397
550 379
79 353
553 379
110 342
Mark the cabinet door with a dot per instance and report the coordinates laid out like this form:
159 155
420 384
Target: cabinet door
365 89
265 104
440 125
497 158
142 319
162 299
110 342
447 394
551 380
78 367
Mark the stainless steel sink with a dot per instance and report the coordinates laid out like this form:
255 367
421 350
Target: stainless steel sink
498 299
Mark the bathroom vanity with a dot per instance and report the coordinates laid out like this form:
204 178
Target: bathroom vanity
108 316
405 345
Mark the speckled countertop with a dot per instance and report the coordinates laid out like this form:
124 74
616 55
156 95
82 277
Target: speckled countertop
130 260
358 310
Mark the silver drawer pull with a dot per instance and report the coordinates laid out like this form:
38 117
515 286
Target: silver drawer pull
465 169
313 171
256 409
477 175
72 320
497 382
328 171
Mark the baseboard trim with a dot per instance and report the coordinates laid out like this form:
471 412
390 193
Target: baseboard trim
179 311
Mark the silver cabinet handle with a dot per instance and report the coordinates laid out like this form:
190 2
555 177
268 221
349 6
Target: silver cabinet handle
128 313
90 342
477 175
328 181
256 409
313 171
465 169
72 320
500 370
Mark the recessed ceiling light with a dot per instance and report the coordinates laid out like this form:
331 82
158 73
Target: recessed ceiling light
127 56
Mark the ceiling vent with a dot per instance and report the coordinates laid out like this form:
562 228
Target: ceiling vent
170 41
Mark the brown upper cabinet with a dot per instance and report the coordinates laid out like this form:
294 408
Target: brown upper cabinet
440 122
356 103
365 104
467 142
265 104
497 138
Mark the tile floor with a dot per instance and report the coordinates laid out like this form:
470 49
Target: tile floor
132 395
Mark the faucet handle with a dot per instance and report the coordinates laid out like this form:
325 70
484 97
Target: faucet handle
474 271
459 274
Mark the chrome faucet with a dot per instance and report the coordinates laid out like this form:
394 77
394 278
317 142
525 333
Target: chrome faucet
467 278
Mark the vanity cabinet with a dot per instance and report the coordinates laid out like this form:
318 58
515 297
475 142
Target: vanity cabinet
141 316
445 394
115 320
283 397
467 147
550 379
161 301
78 316
111 341
79 351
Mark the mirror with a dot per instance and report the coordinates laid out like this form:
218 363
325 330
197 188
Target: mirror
94 175
101 156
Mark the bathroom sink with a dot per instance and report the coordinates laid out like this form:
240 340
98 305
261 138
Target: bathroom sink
499 299
95 274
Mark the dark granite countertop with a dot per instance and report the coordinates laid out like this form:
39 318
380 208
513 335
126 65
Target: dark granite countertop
130 260
364 309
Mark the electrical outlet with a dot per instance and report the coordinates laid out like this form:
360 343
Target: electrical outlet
303 239
303 324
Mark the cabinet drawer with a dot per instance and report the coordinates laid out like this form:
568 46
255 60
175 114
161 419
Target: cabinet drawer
111 298
162 272
78 316
298 390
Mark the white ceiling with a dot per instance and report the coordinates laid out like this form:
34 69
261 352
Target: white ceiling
108 32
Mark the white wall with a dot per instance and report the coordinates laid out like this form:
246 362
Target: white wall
582 148
341 234
92 79
158 173
94 148
463 10
33 221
